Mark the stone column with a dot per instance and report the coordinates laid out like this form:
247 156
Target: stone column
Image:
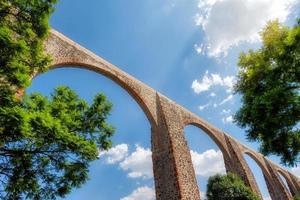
235 163
275 185
291 186
296 184
174 174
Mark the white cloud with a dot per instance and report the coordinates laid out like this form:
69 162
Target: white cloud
212 94
208 163
229 82
229 98
202 107
199 48
227 120
224 111
145 193
210 80
139 163
216 79
115 154
202 86
226 23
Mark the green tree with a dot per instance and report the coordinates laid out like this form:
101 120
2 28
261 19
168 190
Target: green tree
228 187
269 82
23 28
46 144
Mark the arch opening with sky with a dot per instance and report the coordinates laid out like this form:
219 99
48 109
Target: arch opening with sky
128 164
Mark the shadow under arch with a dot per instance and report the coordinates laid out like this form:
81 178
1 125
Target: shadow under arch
113 77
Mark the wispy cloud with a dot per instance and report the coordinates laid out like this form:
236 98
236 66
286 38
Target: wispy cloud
145 193
227 120
224 111
210 80
212 94
229 98
200 49
226 23
202 107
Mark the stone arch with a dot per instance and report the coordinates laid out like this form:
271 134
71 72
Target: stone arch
289 183
216 137
276 187
125 129
67 53
194 133
260 163
137 98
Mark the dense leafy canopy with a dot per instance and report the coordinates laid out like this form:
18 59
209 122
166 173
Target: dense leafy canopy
23 27
46 144
269 82
228 187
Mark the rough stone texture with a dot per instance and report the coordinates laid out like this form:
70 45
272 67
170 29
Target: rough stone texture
172 165
239 166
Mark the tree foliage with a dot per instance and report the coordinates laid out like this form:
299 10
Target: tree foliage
23 28
228 187
46 144
269 82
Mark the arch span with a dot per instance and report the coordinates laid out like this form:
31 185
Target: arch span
207 157
137 98
66 53
261 176
276 187
132 128
216 137
258 162
289 183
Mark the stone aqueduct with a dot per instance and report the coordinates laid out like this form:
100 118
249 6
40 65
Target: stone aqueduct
172 165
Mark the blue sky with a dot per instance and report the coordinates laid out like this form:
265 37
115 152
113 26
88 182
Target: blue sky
185 49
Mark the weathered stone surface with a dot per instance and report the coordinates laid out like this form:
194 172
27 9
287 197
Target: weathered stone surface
172 165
